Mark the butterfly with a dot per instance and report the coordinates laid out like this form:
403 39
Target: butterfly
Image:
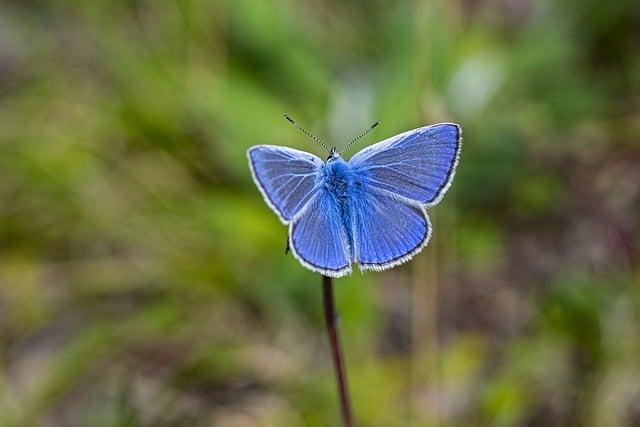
370 210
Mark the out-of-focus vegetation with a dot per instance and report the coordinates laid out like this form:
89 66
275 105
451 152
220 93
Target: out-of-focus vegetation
143 280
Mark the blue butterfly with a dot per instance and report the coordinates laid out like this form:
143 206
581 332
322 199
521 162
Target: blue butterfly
370 210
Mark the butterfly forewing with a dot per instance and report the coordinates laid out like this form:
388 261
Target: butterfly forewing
417 165
287 178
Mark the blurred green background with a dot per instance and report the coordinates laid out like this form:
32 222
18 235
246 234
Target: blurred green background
142 277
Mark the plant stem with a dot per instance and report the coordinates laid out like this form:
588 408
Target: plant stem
336 350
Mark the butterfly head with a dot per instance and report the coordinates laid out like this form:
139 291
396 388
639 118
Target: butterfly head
333 154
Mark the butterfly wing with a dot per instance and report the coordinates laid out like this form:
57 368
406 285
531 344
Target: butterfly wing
287 178
399 178
417 166
387 232
318 238
291 183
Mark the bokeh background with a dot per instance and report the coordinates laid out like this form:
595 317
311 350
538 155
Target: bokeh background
143 280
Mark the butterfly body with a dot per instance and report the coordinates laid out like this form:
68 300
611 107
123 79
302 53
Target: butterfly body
370 210
338 178
344 185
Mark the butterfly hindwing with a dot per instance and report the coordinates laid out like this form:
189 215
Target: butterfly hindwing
417 165
318 237
287 178
386 232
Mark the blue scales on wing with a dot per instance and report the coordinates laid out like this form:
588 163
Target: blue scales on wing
386 232
417 165
292 183
318 238
287 178
400 177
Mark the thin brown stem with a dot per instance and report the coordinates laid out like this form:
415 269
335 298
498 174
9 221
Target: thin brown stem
336 350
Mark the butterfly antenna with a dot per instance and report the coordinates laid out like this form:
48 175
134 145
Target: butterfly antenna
359 136
306 133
